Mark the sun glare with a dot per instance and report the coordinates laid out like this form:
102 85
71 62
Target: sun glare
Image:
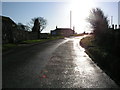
80 10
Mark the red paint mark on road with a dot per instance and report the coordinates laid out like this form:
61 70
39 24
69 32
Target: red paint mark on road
44 76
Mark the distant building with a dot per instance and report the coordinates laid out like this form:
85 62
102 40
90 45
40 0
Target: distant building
62 32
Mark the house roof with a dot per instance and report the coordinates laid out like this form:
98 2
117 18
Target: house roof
63 29
7 19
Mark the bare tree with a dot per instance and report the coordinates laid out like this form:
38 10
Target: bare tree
42 23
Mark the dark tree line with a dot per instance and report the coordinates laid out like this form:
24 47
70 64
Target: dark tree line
105 37
99 22
107 44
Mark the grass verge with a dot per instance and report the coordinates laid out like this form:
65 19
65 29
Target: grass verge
105 60
9 46
33 41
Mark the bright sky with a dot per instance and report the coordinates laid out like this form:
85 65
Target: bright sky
58 13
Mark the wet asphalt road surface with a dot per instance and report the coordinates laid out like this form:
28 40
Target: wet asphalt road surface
56 64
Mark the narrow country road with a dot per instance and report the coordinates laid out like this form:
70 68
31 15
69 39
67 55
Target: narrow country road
56 64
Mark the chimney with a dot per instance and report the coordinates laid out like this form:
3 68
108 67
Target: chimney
115 26
56 27
119 26
112 26
73 27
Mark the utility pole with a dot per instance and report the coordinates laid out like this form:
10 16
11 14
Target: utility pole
119 13
70 19
111 20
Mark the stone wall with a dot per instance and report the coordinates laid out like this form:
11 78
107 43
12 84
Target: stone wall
16 36
11 34
20 35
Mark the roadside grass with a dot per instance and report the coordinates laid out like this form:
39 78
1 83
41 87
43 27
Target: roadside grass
41 40
91 47
9 46
78 35
103 58
31 41
87 42
6 47
55 37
